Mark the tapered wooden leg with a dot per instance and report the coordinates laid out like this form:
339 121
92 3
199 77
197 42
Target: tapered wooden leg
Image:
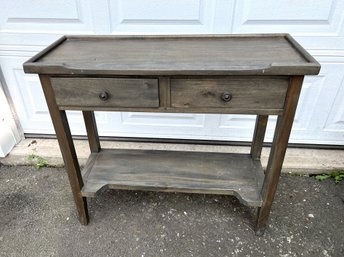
64 138
280 141
92 132
258 136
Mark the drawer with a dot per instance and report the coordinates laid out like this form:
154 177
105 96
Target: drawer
105 92
234 92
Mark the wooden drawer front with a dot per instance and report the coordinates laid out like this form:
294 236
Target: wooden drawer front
106 92
244 93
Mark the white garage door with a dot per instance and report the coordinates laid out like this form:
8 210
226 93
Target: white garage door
27 26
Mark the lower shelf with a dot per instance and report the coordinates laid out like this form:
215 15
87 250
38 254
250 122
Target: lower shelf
175 171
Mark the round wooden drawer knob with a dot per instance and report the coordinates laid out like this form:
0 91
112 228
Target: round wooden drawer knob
104 96
226 96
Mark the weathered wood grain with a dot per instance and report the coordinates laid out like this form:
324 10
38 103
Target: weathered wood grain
198 172
177 110
278 150
175 74
247 93
122 92
66 144
258 136
164 92
92 131
273 54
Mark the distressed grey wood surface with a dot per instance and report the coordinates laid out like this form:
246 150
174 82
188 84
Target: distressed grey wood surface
197 172
274 54
258 136
92 131
67 148
247 93
123 92
163 94
193 73
279 146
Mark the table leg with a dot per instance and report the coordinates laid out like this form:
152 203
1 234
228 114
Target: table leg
258 136
64 138
279 146
92 132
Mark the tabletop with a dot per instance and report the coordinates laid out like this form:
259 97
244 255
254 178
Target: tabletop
248 54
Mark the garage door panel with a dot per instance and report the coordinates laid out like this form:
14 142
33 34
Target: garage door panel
50 16
26 27
164 16
308 17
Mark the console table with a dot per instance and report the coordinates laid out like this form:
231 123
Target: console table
227 74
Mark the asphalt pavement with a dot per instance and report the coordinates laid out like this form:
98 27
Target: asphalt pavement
38 218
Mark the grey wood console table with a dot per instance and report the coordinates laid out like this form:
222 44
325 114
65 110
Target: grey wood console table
229 74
